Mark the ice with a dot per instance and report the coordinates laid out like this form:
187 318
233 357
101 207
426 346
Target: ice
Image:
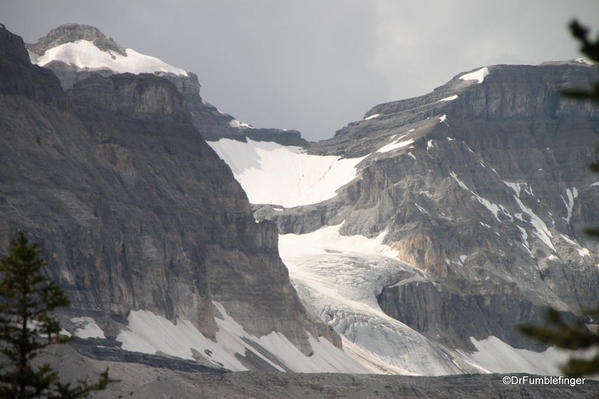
84 54
450 98
86 327
478 75
339 277
271 173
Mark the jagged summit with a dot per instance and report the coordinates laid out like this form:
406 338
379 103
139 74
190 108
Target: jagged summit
72 32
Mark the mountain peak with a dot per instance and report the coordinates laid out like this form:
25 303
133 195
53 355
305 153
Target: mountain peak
71 32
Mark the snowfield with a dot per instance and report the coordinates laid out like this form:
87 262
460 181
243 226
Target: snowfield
271 173
85 55
150 333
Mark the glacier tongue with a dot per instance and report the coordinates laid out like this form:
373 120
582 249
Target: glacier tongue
338 277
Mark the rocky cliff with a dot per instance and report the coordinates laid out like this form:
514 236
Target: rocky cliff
141 221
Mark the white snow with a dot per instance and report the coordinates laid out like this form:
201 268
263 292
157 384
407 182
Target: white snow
85 55
396 144
450 98
271 173
443 119
412 155
492 207
478 75
150 333
584 60
571 195
338 278
541 229
569 240
499 357
86 327
240 125
372 117
583 252
525 243
429 144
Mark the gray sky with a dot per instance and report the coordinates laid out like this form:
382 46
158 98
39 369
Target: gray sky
315 65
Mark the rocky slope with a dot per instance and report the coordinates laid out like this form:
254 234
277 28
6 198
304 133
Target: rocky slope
143 225
142 381
460 215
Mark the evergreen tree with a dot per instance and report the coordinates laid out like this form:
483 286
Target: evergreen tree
575 335
27 298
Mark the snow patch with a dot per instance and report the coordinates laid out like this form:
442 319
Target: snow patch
450 98
271 173
541 229
150 333
85 55
396 144
240 125
492 207
499 357
583 252
571 195
478 75
372 117
86 327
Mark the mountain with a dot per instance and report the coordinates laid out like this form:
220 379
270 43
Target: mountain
415 239
426 231
144 226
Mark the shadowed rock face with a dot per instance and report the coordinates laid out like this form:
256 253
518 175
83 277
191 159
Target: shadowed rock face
22 78
489 200
132 208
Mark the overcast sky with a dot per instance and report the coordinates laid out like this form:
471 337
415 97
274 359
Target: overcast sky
315 65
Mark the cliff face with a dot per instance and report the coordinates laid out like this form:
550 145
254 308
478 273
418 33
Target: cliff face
134 211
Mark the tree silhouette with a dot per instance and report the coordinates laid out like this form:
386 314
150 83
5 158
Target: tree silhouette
27 298
575 335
